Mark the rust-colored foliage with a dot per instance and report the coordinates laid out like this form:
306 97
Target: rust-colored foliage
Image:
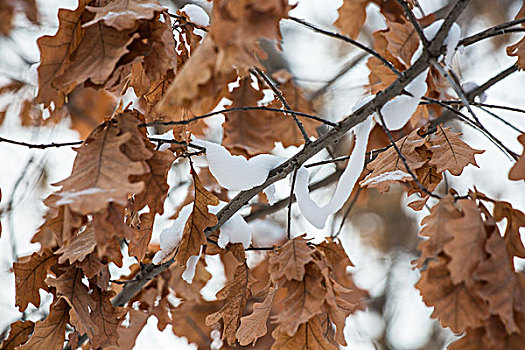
296 293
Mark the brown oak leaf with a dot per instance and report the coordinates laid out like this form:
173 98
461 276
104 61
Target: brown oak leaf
138 245
466 249
435 229
304 300
310 335
19 333
352 16
30 275
107 320
515 220
450 153
69 287
235 295
78 248
50 333
193 236
253 326
290 260
455 305
517 172
100 173
127 336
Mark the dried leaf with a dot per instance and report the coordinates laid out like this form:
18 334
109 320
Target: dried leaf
456 306
124 14
436 230
19 333
50 333
290 260
200 218
502 289
55 54
310 335
402 40
69 286
107 320
253 326
58 228
517 172
79 247
138 245
100 173
518 50
304 300
235 295
352 16
30 275
466 248
450 153
189 292
388 168
128 335
515 220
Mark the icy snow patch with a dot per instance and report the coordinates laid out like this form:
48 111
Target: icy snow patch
170 237
237 173
399 110
451 41
397 175
69 197
189 273
270 194
266 233
312 212
234 230
196 14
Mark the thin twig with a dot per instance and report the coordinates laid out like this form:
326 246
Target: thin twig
348 40
279 94
289 219
236 109
347 211
495 116
412 18
40 146
490 32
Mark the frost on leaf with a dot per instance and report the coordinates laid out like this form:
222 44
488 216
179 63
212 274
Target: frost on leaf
290 260
200 218
50 333
30 274
235 295
124 14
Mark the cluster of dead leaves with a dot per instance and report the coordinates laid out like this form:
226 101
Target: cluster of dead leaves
470 278
428 156
117 172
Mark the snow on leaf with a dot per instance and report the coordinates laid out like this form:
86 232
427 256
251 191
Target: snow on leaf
193 236
450 153
253 326
50 333
290 260
124 14
196 15
30 275
171 236
235 295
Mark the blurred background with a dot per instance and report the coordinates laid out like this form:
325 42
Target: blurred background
379 233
